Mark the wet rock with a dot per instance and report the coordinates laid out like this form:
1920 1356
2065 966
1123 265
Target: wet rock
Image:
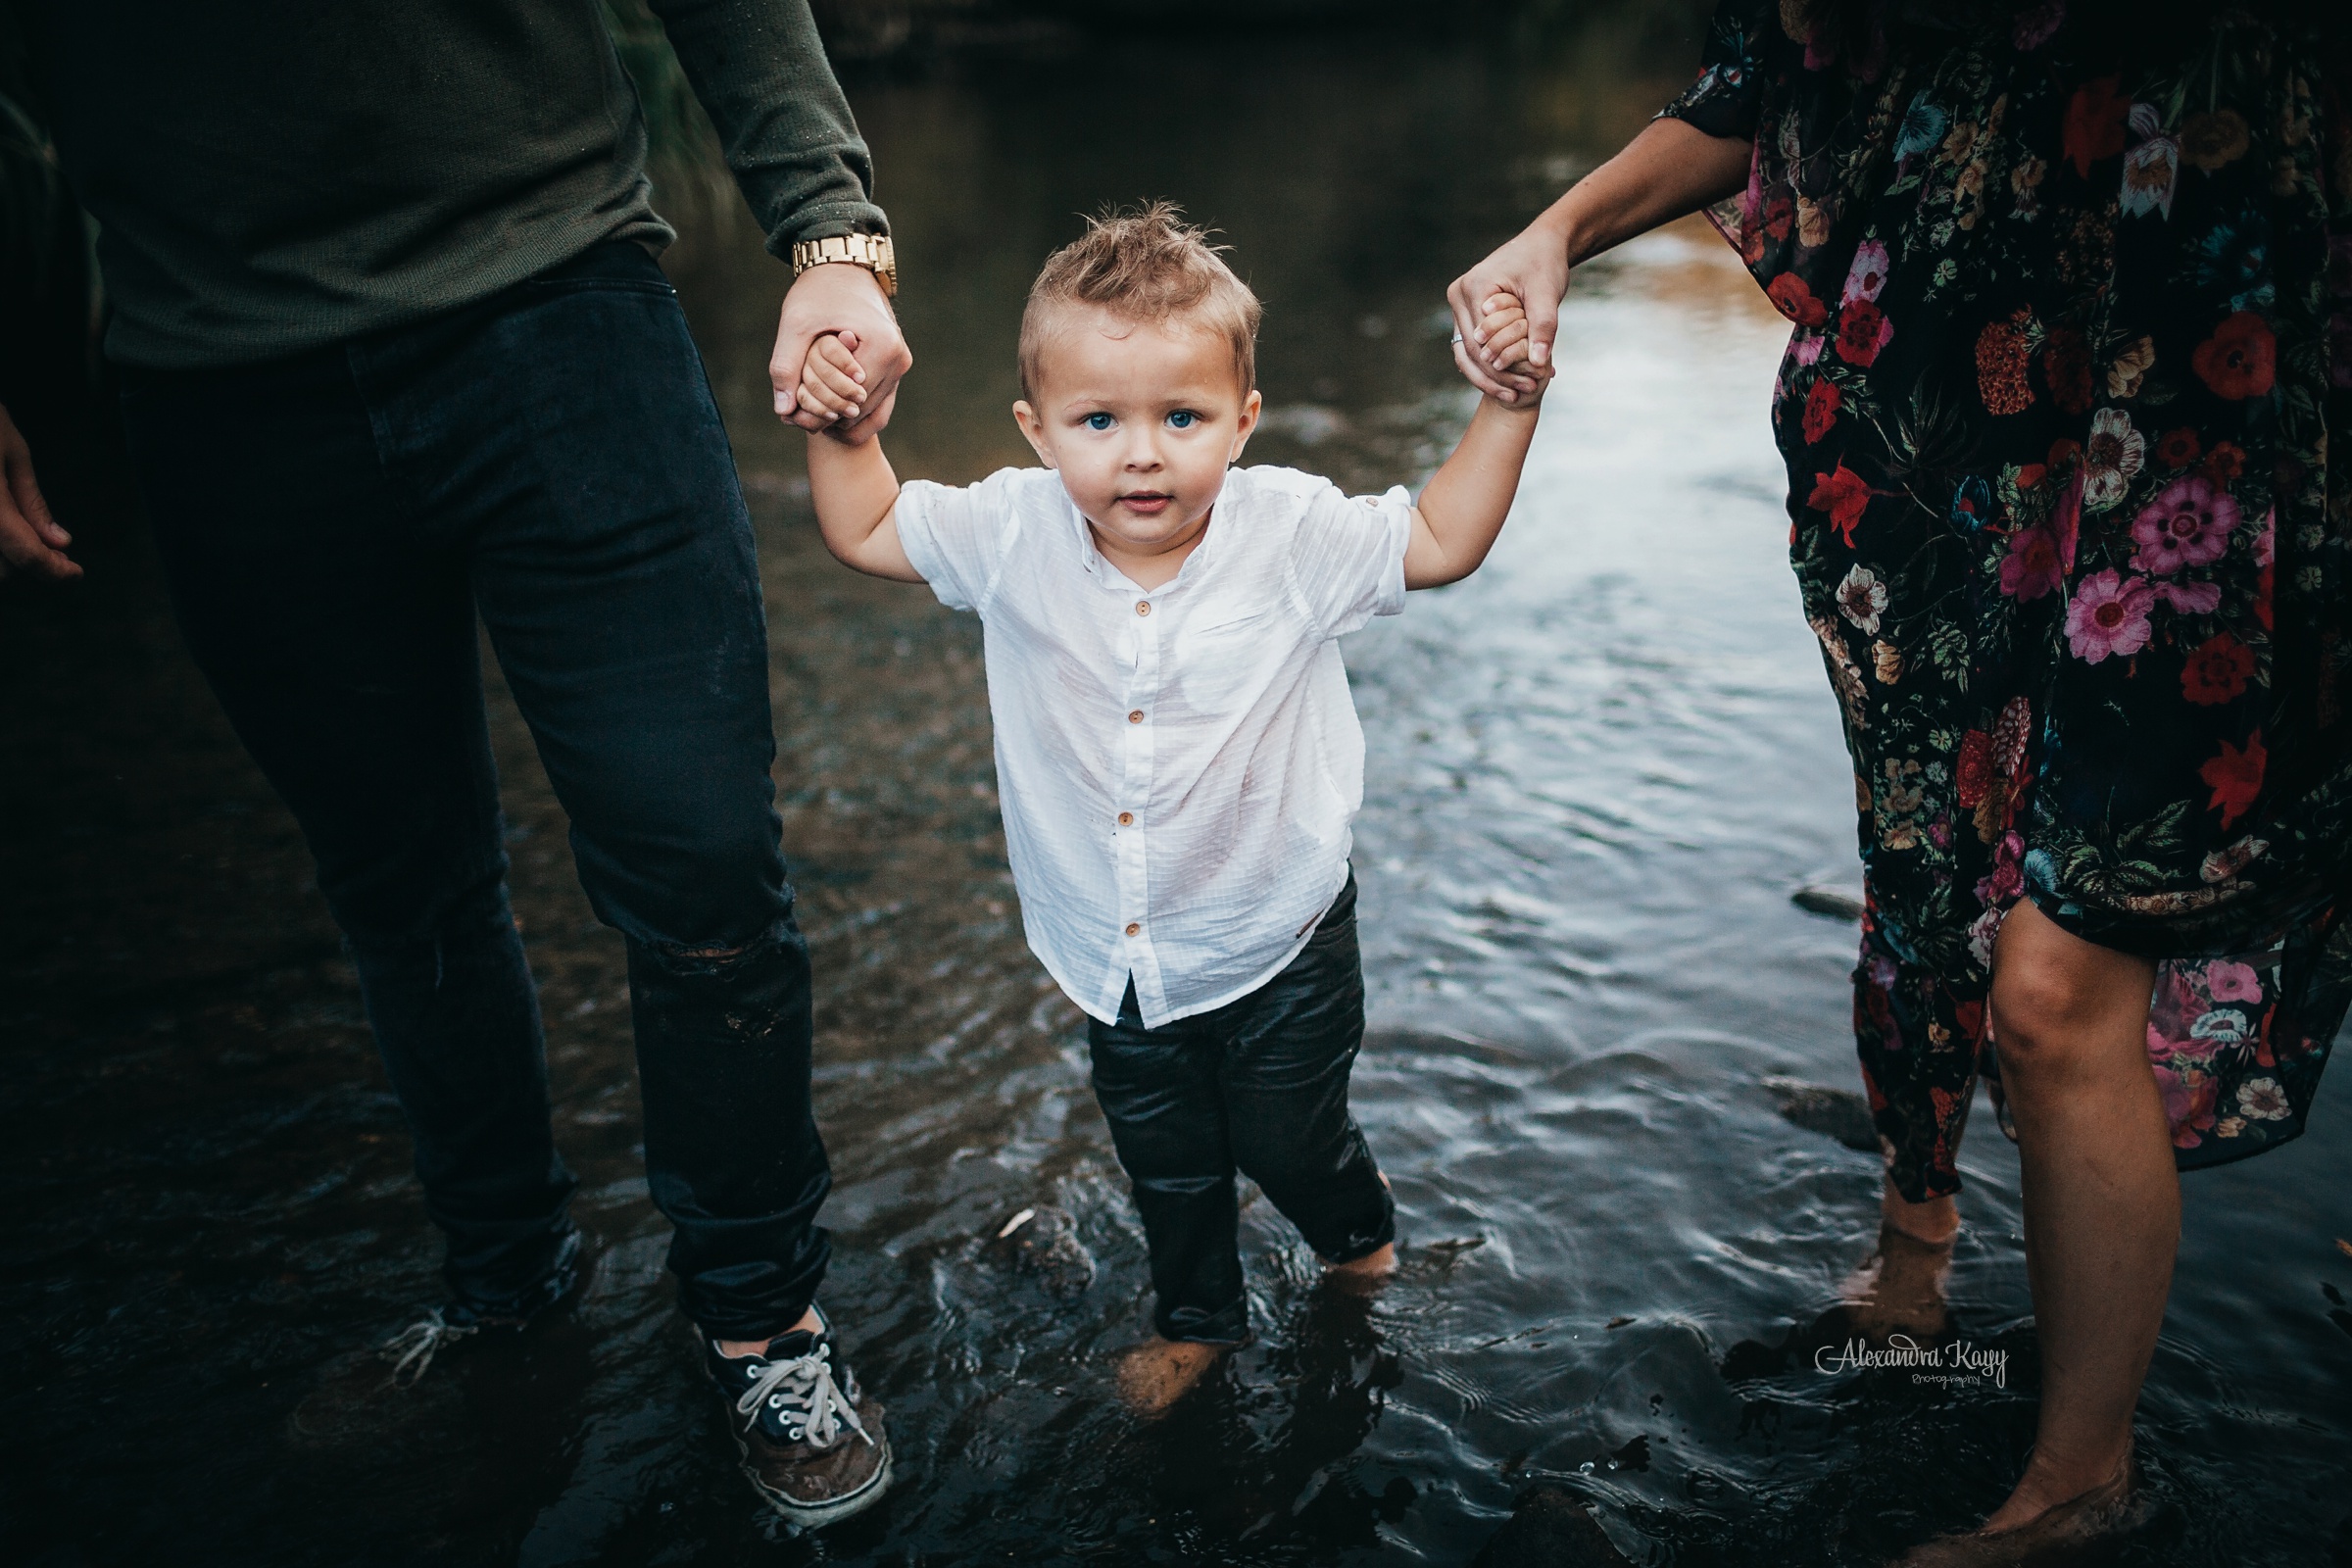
1044 1241
1835 903
1838 1113
1550 1529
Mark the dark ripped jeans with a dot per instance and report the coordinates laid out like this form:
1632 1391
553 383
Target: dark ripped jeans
1258 1086
550 459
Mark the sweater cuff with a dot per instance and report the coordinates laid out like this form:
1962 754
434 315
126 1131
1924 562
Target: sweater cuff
824 220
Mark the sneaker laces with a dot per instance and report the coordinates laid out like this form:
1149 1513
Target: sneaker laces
411 1350
802 1387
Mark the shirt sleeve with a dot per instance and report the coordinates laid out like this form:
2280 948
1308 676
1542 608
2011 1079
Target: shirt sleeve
1348 559
759 71
956 536
1727 98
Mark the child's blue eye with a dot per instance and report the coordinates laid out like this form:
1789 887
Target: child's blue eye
1183 420
1097 422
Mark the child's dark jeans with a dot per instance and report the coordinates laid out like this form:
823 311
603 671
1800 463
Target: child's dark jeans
1259 1085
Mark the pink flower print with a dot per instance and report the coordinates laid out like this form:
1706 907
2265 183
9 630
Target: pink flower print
2108 618
2111 458
2187 525
2262 1099
1868 275
2032 567
2266 543
2228 981
1804 348
2189 598
2189 1099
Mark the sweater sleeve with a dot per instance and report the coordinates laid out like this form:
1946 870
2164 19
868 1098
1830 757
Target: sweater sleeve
760 70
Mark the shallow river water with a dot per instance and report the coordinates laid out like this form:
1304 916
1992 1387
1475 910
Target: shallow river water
1597 771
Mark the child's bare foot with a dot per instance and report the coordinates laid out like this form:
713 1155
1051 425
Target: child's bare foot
1363 1275
1156 1373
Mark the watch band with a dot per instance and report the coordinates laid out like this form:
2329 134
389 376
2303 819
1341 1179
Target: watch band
873 251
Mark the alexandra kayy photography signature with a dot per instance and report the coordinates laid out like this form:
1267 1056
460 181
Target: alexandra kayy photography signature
1958 1363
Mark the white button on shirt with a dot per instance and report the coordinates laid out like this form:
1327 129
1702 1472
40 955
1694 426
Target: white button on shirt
1181 766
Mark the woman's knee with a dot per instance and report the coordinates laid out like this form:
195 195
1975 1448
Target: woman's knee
2060 1002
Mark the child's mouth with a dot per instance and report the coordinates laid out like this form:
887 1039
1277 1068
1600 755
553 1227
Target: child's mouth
1148 502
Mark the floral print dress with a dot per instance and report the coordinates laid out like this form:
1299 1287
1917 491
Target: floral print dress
2073 307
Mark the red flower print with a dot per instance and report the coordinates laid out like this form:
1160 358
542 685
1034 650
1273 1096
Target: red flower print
2240 360
1862 331
2001 366
1792 298
2264 582
2178 449
1779 213
2094 123
2216 671
1843 496
2032 567
2066 364
1821 410
2030 476
2235 777
2225 462
2064 451
1973 774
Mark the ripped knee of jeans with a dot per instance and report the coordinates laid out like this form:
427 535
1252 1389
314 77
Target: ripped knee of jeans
718 960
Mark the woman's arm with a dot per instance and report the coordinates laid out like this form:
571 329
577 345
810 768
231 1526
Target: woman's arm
1671 169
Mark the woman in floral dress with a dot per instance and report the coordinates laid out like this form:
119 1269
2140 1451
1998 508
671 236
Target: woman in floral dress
2072 295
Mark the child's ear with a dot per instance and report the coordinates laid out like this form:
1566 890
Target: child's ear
1244 426
1034 429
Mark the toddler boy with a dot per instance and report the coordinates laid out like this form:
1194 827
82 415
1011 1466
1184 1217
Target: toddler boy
1177 752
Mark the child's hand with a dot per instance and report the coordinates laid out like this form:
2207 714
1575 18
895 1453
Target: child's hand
1503 321
832 384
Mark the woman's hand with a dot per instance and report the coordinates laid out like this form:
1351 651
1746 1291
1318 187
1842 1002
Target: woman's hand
30 540
1671 169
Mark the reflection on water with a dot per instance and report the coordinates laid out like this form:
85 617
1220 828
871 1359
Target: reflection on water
1597 772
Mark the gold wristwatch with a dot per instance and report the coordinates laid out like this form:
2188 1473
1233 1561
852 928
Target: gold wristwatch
873 251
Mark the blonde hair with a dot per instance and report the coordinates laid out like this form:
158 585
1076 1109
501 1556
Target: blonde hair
1151 267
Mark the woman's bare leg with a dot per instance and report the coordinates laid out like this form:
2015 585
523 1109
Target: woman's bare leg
2102 1199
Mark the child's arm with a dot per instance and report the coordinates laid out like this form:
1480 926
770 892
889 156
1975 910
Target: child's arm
853 488
1462 507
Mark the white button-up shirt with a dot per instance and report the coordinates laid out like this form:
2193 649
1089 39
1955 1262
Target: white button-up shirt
1180 766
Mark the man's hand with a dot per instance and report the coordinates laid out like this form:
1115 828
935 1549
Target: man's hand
30 541
840 298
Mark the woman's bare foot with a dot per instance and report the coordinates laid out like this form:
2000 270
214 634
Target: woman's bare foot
2030 1530
1156 1373
1899 1288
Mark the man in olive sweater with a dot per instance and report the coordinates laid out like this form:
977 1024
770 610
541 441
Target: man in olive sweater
395 352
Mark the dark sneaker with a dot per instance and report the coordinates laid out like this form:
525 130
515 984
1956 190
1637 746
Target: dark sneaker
812 1443
411 1350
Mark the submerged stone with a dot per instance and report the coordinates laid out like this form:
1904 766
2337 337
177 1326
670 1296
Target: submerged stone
1839 1114
1550 1529
1044 1241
